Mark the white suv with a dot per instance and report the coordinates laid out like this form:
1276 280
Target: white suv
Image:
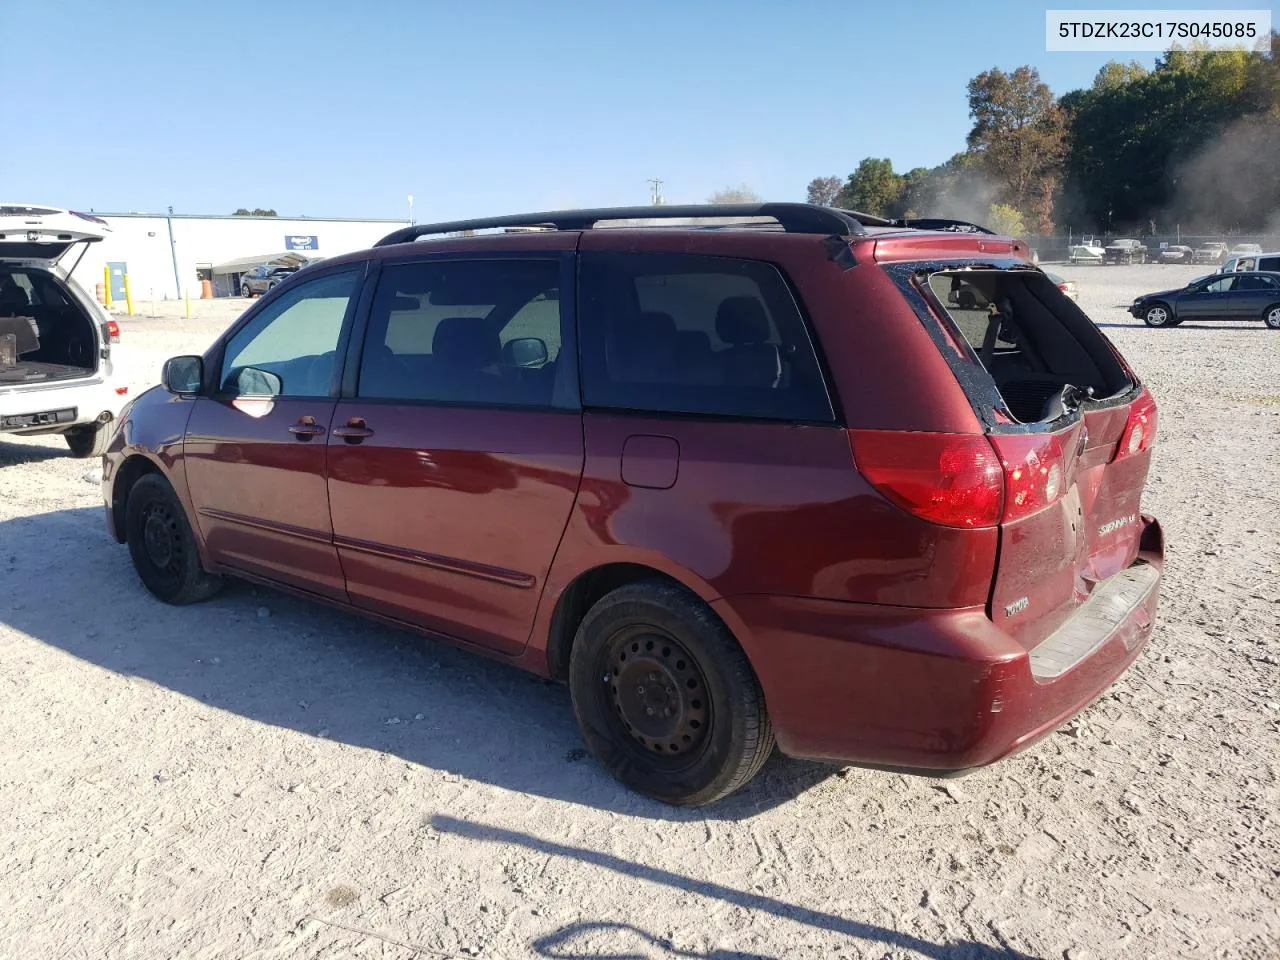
56 372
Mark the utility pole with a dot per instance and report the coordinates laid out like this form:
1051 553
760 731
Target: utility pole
173 250
655 193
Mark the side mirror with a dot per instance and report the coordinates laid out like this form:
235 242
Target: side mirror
525 352
183 374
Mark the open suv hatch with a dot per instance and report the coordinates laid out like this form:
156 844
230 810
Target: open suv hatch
56 372
869 489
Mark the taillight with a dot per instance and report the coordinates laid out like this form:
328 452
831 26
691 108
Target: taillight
947 478
113 331
1140 432
1035 472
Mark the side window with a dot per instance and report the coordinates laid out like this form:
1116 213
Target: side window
484 332
1254 281
678 333
1269 263
1220 286
289 348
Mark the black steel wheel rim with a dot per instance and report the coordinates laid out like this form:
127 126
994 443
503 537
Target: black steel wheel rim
162 540
657 693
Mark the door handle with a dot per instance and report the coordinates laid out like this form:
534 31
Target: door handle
354 431
306 428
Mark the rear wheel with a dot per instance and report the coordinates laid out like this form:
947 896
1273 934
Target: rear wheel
90 440
162 545
1157 315
665 697
1271 316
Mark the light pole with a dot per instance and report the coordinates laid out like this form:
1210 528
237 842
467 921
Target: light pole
411 208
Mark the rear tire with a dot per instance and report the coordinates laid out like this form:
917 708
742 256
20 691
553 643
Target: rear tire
1158 315
162 545
665 698
90 440
1271 316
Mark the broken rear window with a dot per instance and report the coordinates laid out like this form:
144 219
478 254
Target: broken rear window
1032 340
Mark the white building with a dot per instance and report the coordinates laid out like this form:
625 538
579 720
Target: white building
166 256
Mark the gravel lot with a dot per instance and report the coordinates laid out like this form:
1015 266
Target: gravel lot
257 777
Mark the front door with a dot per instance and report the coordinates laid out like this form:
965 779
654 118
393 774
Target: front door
255 447
455 456
1209 301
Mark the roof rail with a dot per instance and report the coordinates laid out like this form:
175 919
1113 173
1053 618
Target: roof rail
793 217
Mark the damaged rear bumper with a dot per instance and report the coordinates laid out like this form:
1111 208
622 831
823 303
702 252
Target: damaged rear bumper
936 691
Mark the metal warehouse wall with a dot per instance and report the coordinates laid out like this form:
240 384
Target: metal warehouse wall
142 242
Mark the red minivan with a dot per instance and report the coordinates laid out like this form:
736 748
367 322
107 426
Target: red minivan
866 488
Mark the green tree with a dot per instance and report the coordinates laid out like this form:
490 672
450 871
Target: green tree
823 191
872 188
1005 219
1018 134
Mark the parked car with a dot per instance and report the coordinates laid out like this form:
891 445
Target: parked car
1235 296
663 467
1068 287
1087 250
1269 262
1125 251
1244 249
1212 252
261 279
1177 253
58 346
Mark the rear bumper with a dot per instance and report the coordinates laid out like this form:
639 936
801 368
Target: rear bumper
929 690
89 399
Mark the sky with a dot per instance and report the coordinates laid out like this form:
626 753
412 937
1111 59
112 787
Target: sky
333 108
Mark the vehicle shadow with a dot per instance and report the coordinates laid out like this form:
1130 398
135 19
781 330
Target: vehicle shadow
290 663
560 943
13 454
1187 325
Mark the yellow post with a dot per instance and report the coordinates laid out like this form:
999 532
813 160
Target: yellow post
106 286
128 296
186 296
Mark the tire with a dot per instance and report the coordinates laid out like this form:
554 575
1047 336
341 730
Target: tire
90 440
162 545
1158 315
246 292
1271 316
710 733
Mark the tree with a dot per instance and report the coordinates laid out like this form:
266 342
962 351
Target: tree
1006 220
823 191
872 188
256 212
1018 132
739 194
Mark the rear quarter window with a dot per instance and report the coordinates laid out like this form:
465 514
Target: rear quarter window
686 334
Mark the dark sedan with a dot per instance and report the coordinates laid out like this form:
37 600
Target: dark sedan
1235 296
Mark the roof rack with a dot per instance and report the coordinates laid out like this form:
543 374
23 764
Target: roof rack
793 218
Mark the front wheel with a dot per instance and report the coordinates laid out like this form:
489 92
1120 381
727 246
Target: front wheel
1157 315
162 546
1271 316
90 440
665 698
246 292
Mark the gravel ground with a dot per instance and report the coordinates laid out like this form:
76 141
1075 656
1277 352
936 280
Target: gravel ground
258 777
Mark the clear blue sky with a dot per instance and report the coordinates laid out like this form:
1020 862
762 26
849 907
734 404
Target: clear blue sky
330 108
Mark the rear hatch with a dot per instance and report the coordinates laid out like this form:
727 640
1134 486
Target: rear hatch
1068 436
46 235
